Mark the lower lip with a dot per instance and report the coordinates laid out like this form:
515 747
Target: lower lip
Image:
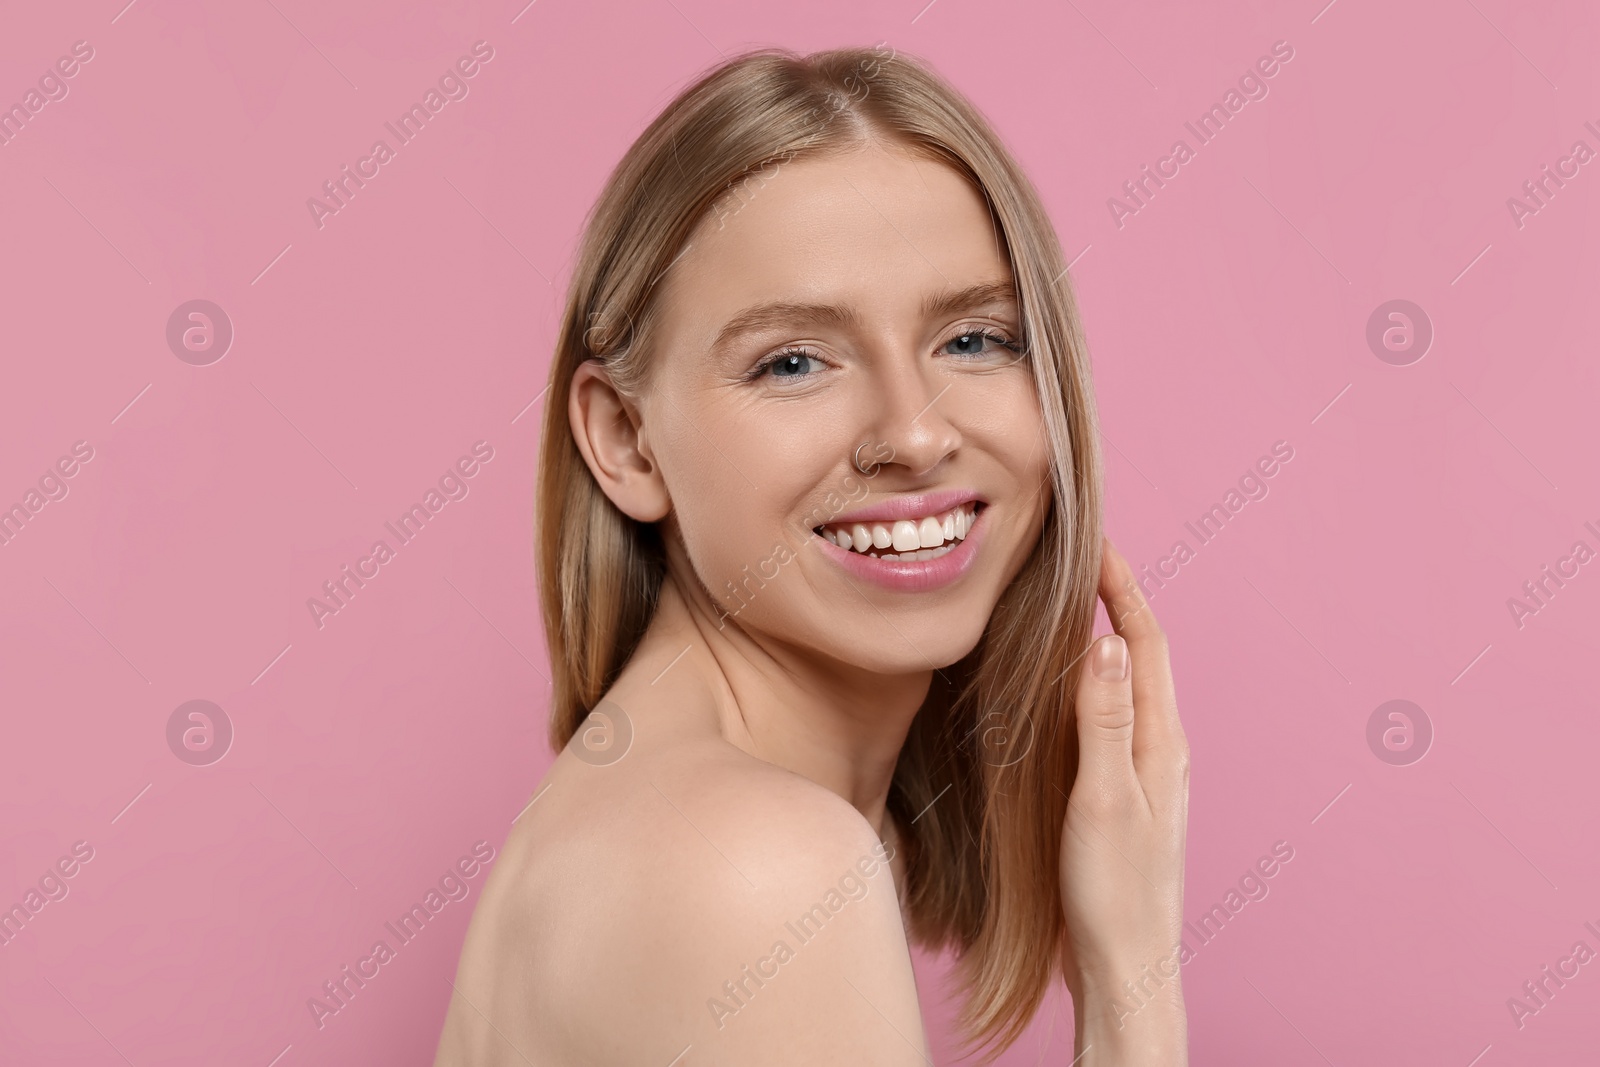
915 576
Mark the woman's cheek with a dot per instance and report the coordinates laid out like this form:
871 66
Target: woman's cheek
1031 439
734 557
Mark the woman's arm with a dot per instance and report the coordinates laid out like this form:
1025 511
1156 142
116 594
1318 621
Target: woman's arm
1123 842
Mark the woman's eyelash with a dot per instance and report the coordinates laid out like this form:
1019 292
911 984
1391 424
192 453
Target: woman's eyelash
762 367
775 358
998 338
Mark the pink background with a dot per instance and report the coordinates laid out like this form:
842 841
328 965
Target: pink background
1229 313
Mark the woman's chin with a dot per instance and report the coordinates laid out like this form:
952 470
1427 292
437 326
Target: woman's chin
912 649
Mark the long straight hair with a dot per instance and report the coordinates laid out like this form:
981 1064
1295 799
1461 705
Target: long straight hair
995 743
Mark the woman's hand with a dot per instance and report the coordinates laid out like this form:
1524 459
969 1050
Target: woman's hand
1122 842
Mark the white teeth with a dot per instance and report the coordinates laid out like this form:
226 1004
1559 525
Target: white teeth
905 536
910 539
917 556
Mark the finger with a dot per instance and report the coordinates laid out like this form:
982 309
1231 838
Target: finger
1156 726
1105 715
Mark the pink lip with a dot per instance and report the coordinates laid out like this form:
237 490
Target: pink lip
917 576
908 507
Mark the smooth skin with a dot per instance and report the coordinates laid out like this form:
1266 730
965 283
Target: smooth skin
633 892
1122 843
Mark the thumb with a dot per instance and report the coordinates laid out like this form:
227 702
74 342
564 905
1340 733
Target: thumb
1105 716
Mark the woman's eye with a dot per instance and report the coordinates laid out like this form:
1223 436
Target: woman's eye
790 365
794 365
973 343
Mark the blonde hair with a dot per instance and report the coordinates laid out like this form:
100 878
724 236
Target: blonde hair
995 744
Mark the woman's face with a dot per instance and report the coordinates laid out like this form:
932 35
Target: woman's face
839 315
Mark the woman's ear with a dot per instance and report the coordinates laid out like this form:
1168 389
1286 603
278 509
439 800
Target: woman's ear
610 433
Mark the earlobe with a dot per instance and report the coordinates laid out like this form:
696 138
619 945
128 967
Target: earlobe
609 432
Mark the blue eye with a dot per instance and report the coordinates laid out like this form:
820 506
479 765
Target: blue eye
791 365
978 338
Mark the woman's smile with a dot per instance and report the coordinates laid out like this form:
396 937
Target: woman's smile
910 544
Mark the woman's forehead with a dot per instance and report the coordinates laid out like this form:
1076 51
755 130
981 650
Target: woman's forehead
860 230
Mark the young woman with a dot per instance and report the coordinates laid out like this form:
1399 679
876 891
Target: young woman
819 536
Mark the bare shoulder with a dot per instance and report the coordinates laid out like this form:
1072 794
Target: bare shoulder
686 899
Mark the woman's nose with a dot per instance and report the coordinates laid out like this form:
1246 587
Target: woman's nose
914 416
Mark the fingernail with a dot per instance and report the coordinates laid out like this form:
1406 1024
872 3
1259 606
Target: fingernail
1111 659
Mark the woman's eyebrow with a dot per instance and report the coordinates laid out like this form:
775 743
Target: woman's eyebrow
972 296
781 313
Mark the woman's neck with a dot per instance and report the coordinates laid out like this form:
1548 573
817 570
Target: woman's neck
834 723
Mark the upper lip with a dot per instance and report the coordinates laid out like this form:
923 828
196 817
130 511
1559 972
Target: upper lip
908 507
